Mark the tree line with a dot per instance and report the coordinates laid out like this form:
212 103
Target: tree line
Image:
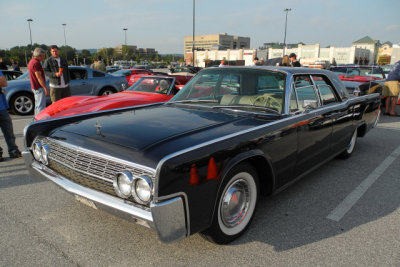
22 54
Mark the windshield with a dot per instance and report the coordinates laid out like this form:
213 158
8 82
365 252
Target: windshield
235 88
121 72
24 76
159 85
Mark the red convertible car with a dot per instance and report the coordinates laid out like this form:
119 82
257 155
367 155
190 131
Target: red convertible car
132 75
358 73
149 89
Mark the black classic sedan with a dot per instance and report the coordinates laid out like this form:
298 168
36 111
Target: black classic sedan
199 163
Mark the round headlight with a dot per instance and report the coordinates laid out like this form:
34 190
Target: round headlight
45 154
123 184
142 188
37 151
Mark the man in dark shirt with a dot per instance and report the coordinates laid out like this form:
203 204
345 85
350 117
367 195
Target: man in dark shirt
293 60
6 124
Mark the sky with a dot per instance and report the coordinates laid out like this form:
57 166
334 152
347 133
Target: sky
163 24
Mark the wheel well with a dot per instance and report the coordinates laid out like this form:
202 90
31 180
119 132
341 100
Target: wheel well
265 174
361 130
106 88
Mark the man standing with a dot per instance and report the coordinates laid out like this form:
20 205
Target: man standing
293 60
392 90
38 81
3 65
56 69
99 65
6 123
255 62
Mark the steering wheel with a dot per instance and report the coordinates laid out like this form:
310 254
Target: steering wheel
269 101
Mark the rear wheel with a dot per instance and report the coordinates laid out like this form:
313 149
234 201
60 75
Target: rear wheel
107 91
22 103
236 205
350 147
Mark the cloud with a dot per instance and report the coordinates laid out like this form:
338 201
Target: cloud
392 28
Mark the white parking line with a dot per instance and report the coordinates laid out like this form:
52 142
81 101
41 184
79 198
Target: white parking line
388 128
338 213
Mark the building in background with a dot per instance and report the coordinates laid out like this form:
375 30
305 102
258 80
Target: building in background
221 41
395 56
370 44
137 51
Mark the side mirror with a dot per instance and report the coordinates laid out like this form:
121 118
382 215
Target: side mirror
310 104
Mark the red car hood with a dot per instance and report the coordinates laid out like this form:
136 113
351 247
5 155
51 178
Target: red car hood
82 104
359 78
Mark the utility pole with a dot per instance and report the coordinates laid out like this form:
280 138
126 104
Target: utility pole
193 42
287 11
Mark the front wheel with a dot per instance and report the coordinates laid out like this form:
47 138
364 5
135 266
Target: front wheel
236 205
350 147
107 91
22 103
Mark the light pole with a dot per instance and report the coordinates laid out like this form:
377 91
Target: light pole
126 47
30 32
286 10
193 42
65 38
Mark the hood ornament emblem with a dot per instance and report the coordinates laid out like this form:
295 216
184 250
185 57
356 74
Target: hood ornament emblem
98 129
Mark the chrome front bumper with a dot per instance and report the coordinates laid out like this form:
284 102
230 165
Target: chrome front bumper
167 218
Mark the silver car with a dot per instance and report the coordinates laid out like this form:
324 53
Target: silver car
84 81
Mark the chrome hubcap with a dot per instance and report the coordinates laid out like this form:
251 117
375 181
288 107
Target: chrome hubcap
352 143
235 203
23 104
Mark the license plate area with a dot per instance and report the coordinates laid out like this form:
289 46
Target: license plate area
86 201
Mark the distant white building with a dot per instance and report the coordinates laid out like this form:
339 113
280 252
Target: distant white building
246 55
395 53
309 54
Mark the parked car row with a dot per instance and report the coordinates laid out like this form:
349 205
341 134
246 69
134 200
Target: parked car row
149 89
84 81
199 162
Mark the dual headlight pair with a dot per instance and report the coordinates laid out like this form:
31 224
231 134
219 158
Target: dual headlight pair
41 152
140 188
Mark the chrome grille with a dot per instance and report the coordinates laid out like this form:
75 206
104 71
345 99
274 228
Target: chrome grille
88 169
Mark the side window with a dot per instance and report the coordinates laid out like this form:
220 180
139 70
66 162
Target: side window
98 74
325 90
306 94
293 101
327 94
302 80
77 74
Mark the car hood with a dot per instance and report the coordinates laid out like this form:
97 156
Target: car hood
148 127
81 104
15 83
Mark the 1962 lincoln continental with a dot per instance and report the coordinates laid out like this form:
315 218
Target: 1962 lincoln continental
198 163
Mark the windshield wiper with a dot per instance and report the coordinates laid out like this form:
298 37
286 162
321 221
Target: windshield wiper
195 101
247 107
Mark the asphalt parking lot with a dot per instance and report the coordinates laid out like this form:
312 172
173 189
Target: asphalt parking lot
346 213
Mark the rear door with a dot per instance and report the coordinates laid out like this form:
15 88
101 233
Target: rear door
315 125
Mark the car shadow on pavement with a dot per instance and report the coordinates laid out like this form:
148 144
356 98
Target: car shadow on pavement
17 180
298 215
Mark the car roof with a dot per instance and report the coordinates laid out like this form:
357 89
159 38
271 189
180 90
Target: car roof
290 70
